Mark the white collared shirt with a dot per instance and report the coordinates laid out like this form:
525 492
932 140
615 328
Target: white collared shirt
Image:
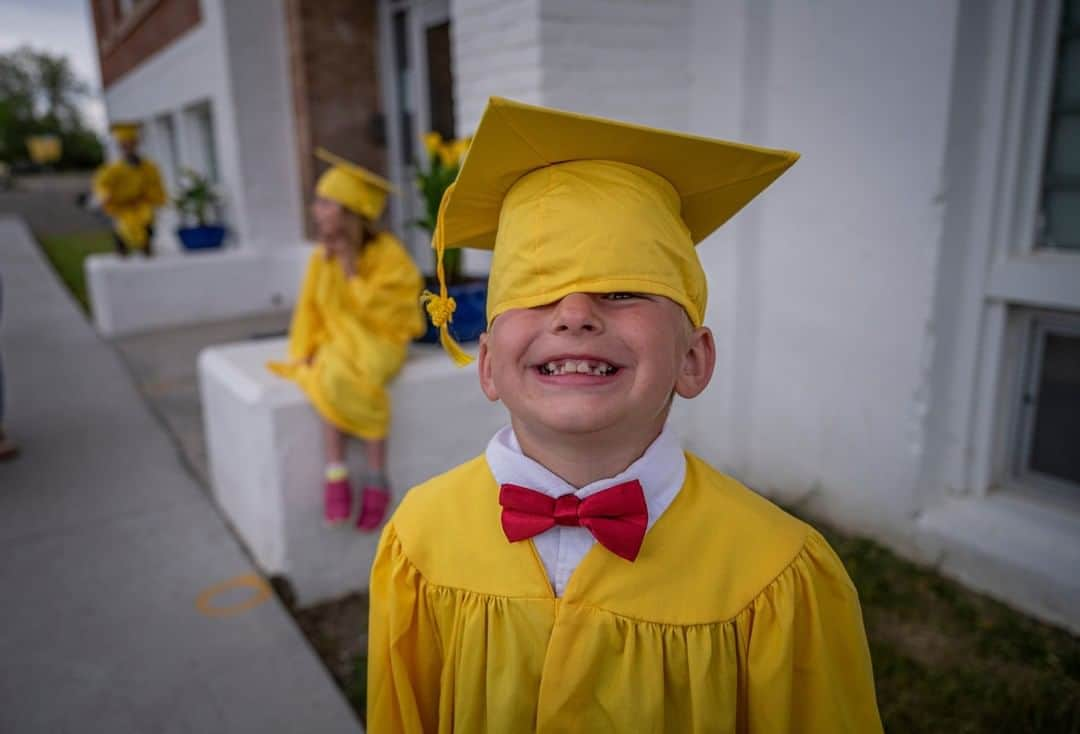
660 470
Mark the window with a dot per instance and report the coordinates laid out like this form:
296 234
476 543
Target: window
1038 279
199 121
167 147
1059 221
1048 440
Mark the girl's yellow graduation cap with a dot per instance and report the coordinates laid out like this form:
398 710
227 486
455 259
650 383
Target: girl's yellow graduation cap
354 187
571 203
125 132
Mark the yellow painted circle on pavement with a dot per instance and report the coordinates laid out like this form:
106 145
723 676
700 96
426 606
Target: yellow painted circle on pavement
260 592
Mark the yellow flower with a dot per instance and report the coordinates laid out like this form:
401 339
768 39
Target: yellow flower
432 142
446 154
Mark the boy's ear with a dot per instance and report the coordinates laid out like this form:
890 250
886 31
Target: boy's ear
483 368
698 363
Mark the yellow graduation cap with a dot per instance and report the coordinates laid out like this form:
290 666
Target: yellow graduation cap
125 132
571 203
354 187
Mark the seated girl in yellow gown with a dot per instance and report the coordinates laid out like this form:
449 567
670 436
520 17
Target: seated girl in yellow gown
585 574
357 311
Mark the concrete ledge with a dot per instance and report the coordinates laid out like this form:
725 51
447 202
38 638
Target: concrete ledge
1016 548
131 295
264 448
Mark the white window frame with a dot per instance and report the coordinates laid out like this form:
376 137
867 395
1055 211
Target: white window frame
1036 324
1003 272
165 134
405 208
201 147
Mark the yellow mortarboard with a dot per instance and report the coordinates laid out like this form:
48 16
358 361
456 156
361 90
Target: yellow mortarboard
125 132
354 187
571 203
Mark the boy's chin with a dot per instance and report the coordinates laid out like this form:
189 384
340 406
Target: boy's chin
576 423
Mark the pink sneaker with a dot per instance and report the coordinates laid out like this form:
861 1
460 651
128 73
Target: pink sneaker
337 501
373 504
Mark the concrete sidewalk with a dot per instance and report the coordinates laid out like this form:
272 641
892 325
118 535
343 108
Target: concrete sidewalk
106 545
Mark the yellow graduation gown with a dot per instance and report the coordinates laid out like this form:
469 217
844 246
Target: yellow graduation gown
349 336
130 194
735 617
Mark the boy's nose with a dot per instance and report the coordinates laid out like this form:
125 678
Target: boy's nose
576 313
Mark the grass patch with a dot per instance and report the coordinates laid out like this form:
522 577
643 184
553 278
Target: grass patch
338 632
67 252
947 659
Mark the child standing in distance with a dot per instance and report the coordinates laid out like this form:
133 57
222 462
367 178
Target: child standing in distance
357 311
585 574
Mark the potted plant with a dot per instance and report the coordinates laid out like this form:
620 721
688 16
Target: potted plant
470 294
197 202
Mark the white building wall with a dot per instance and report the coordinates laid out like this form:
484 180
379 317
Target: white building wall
496 52
226 61
235 61
823 291
625 59
258 64
495 47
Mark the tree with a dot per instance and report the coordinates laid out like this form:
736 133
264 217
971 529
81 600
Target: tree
40 94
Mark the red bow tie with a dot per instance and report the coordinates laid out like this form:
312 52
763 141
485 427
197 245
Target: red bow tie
617 516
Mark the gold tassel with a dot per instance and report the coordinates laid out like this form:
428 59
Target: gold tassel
440 308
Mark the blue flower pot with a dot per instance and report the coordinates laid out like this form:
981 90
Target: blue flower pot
201 238
470 316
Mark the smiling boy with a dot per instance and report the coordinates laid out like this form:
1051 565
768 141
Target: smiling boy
585 574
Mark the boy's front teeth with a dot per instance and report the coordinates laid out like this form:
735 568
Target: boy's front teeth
582 367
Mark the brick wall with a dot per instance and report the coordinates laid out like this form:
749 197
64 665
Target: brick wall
125 41
333 53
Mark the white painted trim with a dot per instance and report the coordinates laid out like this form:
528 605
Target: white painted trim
1035 128
1011 95
987 415
421 120
406 206
1015 546
1027 113
421 15
389 99
1051 280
